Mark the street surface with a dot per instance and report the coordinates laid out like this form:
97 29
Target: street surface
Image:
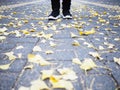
80 54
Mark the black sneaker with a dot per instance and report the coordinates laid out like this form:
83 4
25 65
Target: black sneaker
54 15
67 15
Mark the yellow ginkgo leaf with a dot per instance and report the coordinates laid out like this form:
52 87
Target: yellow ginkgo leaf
55 78
29 66
5 67
39 85
52 44
88 64
101 20
25 21
19 47
95 54
26 32
49 52
62 84
117 60
73 35
101 48
44 63
47 36
46 74
76 43
19 55
92 31
64 71
37 48
76 61
2 38
11 55
24 88
31 57
70 76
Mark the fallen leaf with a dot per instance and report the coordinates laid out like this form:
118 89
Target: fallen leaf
88 64
117 60
75 43
38 59
52 44
19 47
92 31
73 35
23 88
36 48
101 48
55 78
11 55
19 55
76 61
62 84
47 36
46 74
95 54
2 38
5 67
39 85
44 62
26 32
49 52
29 66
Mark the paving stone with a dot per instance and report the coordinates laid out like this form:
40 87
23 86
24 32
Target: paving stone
99 82
28 74
58 55
6 47
21 40
7 80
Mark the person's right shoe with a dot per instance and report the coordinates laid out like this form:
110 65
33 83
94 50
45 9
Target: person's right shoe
67 15
54 15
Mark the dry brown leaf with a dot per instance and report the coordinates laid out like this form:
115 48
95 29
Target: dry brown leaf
88 64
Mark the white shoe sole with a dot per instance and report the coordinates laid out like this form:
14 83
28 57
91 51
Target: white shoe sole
67 17
54 18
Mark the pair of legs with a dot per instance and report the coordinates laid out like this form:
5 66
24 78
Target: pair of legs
55 14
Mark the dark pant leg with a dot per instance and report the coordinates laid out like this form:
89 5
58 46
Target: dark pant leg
66 5
55 5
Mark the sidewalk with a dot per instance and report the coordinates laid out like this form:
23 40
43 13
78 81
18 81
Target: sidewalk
83 52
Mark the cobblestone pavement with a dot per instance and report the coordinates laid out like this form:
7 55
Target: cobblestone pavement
93 35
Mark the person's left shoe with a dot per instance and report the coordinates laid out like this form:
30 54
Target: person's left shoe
67 15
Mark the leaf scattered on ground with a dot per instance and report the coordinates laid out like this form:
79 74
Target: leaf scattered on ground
88 64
